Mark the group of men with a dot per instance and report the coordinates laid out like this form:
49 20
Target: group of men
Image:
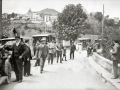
21 55
48 51
20 59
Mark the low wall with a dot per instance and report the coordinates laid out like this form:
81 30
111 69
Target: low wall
103 62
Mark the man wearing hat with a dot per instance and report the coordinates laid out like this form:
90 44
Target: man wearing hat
51 47
37 63
72 50
43 53
19 51
28 57
115 52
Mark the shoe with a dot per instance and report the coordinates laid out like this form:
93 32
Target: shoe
19 81
26 75
65 60
114 77
15 80
30 74
41 72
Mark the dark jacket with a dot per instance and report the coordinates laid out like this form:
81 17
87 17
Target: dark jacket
72 48
21 48
29 53
116 52
43 51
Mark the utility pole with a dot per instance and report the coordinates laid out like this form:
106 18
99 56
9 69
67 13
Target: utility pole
103 23
1 19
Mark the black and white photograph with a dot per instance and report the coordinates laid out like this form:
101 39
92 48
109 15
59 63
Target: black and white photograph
59 44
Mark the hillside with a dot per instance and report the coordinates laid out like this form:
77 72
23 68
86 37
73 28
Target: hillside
49 11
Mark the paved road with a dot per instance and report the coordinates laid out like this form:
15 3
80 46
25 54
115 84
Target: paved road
72 74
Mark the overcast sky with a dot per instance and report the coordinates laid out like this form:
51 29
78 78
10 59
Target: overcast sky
112 7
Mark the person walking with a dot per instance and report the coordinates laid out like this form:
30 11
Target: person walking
64 53
37 63
89 50
115 51
51 47
19 51
72 50
79 48
59 49
43 54
27 66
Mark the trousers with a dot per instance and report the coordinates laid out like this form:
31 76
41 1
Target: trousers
37 62
42 62
72 55
59 55
115 68
18 68
27 68
50 58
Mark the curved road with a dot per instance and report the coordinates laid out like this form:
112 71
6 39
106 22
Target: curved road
71 75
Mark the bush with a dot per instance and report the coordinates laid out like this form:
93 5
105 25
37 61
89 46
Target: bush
110 34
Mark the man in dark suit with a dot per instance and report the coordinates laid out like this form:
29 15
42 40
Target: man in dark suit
27 66
19 51
43 53
72 50
37 63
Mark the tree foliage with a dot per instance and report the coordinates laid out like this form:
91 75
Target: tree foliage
70 20
98 16
109 22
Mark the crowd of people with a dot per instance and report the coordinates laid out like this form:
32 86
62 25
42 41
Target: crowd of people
43 51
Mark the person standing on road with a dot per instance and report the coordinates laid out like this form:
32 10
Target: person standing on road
79 48
115 51
72 50
51 47
55 49
43 54
36 55
64 53
27 66
59 49
89 50
20 50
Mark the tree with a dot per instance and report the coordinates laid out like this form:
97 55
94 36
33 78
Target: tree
69 21
98 16
8 16
13 15
109 22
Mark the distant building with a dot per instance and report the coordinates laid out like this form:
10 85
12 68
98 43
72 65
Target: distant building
45 15
4 16
116 20
29 14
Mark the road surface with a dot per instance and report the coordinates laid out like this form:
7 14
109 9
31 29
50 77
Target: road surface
71 75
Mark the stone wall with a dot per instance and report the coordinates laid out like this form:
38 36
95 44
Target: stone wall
103 62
